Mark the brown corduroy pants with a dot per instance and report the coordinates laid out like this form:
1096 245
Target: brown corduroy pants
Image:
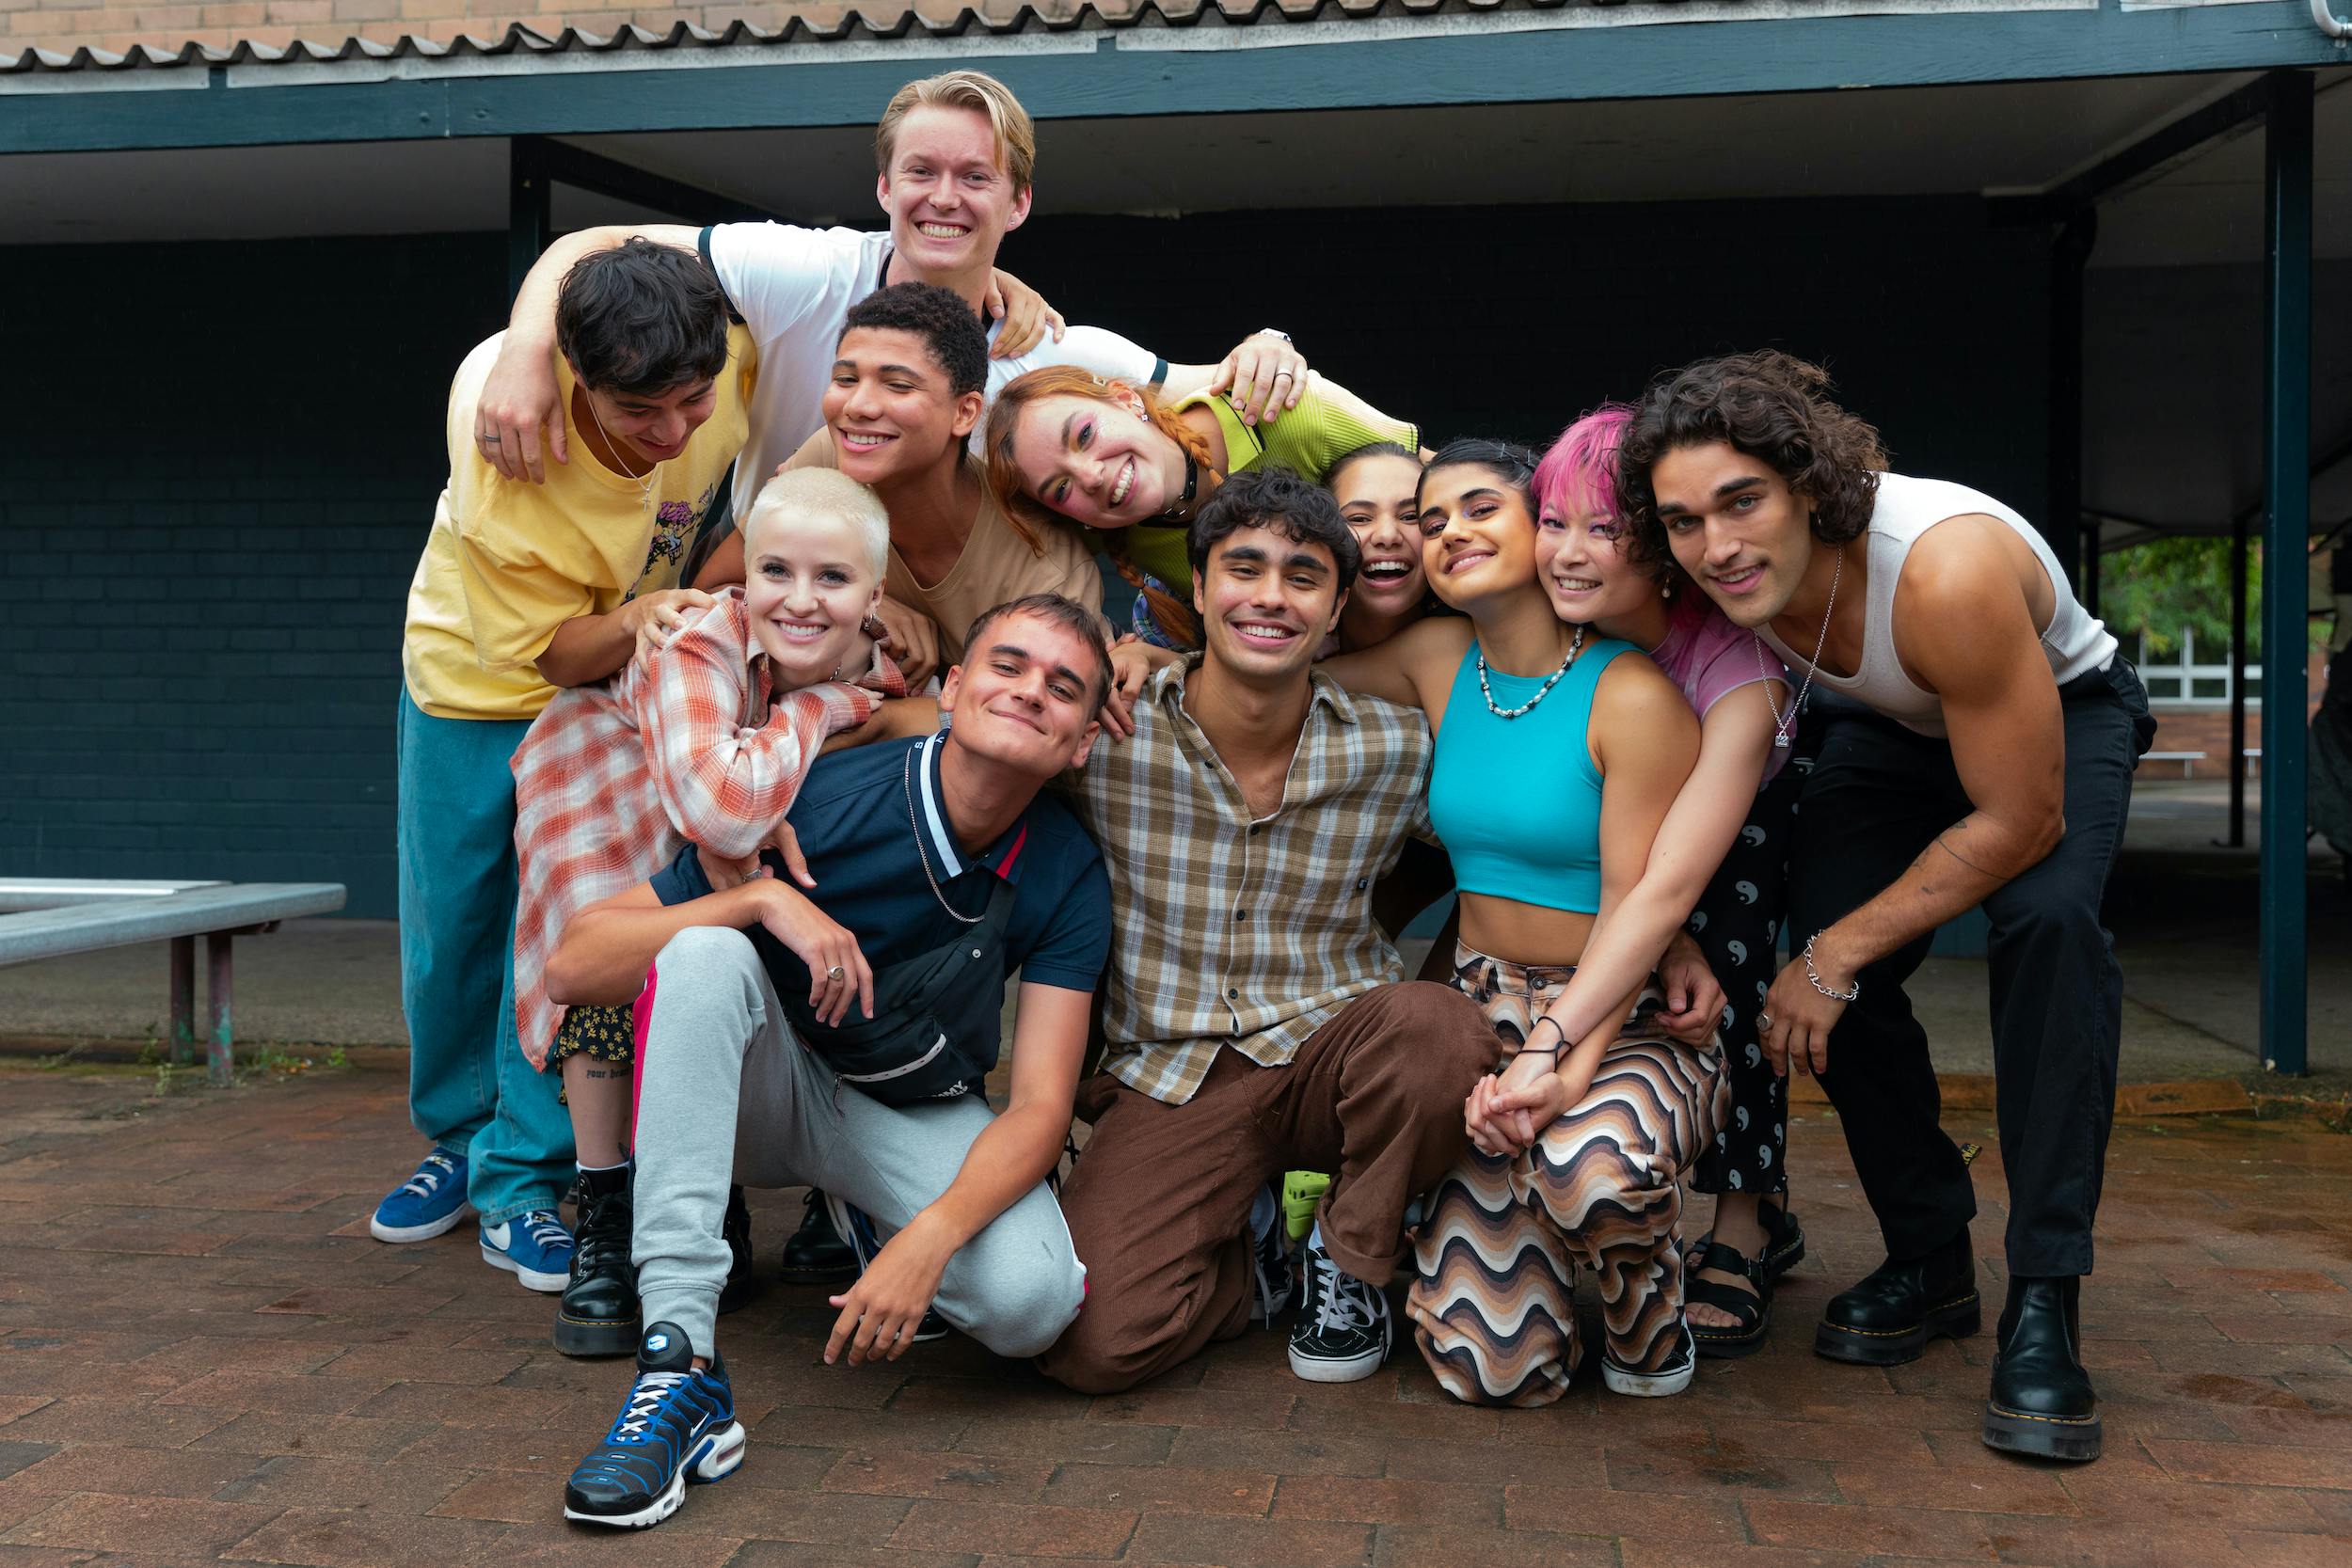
1159 1203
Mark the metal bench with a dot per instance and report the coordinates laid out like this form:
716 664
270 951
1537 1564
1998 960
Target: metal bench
2187 760
44 917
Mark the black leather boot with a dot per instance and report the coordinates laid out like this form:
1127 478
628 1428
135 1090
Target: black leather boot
742 1286
2041 1402
597 1313
816 1254
1890 1315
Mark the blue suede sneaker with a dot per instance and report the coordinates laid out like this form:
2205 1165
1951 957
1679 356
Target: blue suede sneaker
533 1247
677 1426
427 1204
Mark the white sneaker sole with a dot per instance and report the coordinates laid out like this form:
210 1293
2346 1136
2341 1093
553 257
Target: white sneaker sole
721 1453
442 1227
1648 1386
546 1284
1354 1370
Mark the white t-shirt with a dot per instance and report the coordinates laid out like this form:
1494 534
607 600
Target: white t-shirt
794 285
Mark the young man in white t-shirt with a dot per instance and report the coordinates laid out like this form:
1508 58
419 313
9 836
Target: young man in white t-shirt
956 153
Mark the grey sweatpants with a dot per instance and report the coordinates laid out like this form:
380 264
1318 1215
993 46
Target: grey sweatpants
728 1093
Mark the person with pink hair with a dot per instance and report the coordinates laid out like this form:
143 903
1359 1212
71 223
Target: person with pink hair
1718 869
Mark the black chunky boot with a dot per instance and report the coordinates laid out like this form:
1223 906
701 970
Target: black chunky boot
597 1313
1888 1317
2043 1404
816 1254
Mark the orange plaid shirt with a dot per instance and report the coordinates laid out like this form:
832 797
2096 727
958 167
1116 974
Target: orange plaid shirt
691 746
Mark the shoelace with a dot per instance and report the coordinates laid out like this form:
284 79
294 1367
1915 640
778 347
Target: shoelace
1345 1301
603 1230
644 1403
544 1228
425 1182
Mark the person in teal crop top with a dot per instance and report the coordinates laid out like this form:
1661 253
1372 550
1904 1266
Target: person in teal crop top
1558 754
1062 442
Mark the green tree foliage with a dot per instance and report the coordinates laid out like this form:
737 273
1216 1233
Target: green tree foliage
2168 586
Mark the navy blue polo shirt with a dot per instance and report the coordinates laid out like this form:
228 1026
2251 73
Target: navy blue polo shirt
852 818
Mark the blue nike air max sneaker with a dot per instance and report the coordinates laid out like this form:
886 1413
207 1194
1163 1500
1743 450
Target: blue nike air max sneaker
677 1426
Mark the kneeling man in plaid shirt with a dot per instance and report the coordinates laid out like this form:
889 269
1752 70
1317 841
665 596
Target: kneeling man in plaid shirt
1256 1018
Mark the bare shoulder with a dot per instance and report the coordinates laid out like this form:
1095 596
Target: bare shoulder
1634 690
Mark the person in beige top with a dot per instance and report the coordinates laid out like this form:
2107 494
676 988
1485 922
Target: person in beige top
906 391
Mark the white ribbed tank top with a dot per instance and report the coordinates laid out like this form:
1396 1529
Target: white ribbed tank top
2076 641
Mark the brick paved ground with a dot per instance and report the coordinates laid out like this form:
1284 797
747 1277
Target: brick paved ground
203 1358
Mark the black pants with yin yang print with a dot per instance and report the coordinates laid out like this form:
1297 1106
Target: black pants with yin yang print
1738 925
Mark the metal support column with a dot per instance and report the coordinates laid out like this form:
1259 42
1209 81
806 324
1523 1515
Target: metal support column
220 1002
2240 573
2286 536
181 1051
2072 536
530 214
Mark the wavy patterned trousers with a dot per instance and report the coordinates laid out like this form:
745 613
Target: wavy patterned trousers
1493 1300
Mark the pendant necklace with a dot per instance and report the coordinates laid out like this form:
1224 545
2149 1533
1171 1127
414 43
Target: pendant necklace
1782 724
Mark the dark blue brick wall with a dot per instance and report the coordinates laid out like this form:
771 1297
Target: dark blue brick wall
217 461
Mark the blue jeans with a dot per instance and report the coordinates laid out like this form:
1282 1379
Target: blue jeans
470 1087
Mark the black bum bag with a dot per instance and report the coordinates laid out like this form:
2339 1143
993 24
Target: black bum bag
938 1017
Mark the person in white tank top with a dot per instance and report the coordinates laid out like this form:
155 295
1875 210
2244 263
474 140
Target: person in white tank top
1978 753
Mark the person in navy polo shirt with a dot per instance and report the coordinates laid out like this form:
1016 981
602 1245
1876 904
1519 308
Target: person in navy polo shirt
908 844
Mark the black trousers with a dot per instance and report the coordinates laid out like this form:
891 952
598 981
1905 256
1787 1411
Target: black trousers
1877 797
1737 924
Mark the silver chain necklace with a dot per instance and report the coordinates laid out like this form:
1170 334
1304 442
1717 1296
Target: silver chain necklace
907 777
1486 691
645 485
1782 723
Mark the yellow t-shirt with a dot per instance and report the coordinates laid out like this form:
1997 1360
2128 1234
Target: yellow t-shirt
508 563
997 566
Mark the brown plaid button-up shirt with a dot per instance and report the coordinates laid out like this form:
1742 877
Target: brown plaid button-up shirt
1229 931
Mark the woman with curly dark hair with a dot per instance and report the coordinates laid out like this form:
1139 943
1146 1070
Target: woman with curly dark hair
1984 756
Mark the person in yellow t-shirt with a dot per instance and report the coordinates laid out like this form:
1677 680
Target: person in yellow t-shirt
523 588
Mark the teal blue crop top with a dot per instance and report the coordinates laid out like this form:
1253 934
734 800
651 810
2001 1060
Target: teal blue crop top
1516 801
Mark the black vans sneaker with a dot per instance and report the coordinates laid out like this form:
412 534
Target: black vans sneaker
1342 1332
1672 1378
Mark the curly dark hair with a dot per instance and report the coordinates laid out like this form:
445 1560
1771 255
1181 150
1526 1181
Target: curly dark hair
1770 406
938 316
1277 498
640 319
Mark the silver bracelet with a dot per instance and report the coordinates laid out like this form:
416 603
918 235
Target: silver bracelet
1848 994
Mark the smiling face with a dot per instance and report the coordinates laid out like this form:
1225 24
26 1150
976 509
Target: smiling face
648 427
1098 463
1580 565
1025 698
1267 602
949 199
889 405
1477 536
1376 495
809 584
1734 526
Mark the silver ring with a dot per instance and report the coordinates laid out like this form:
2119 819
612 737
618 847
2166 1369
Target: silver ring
1279 375
836 972
1763 1021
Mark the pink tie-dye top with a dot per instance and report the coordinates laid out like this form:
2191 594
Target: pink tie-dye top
1708 656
